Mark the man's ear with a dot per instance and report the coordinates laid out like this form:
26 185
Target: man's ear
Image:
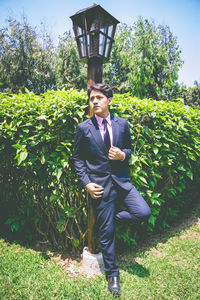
110 100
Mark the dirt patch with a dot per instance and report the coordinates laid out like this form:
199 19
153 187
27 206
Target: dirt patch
70 262
73 267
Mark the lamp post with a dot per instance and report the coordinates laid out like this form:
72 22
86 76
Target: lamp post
94 30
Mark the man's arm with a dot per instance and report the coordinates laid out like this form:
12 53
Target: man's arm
94 189
116 154
79 157
121 154
127 141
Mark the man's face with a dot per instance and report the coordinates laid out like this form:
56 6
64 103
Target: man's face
99 103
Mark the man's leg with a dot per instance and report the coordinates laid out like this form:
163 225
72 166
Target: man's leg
105 215
137 207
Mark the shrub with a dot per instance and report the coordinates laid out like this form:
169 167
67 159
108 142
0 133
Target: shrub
41 196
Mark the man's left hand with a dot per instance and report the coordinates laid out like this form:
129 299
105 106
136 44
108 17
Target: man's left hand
116 154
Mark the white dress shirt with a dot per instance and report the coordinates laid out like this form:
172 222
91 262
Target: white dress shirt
101 127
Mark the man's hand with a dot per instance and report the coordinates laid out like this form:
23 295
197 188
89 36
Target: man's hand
94 190
116 154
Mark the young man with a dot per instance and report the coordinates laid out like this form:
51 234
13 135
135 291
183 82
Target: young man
101 154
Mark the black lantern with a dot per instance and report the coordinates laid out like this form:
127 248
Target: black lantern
94 30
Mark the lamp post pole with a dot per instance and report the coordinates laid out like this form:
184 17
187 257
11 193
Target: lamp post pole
95 71
94 30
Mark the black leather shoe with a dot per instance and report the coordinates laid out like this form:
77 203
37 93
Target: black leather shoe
113 286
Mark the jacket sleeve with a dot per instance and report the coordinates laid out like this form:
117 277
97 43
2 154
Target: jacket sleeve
127 142
79 157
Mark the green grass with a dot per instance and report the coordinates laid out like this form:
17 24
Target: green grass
164 268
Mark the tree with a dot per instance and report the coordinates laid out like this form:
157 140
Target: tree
196 83
116 70
148 57
69 72
24 61
145 61
191 95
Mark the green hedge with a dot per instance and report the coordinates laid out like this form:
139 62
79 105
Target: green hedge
40 194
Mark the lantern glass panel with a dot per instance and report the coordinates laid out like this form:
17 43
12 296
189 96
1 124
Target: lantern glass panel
89 43
92 27
103 28
80 31
101 43
110 30
83 45
107 48
90 40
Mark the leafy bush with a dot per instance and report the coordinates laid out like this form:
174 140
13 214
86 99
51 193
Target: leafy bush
40 194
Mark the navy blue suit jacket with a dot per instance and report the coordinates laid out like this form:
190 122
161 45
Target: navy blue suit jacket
91 156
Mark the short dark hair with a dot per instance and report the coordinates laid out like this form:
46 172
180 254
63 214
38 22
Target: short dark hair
101 87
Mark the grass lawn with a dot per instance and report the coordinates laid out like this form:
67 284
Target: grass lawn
165 267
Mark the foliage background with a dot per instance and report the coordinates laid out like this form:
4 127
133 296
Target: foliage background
145 61
40 195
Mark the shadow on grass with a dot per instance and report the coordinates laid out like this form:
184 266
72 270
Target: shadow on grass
149 240
134 268
126 261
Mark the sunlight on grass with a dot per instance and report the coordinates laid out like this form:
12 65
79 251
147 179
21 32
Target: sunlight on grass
167 270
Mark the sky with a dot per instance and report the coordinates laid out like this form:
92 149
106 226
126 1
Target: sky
182 16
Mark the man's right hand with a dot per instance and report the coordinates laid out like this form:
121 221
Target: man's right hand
94 190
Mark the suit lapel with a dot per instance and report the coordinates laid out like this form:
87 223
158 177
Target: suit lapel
94 129
115 130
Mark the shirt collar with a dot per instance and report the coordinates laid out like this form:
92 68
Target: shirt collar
100 120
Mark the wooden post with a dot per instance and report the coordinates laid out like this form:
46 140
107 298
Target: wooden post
95 72
93 243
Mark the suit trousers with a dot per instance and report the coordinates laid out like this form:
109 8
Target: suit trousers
105 210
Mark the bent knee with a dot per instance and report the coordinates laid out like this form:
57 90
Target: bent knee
144 214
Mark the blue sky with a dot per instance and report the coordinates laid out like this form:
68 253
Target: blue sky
182 16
